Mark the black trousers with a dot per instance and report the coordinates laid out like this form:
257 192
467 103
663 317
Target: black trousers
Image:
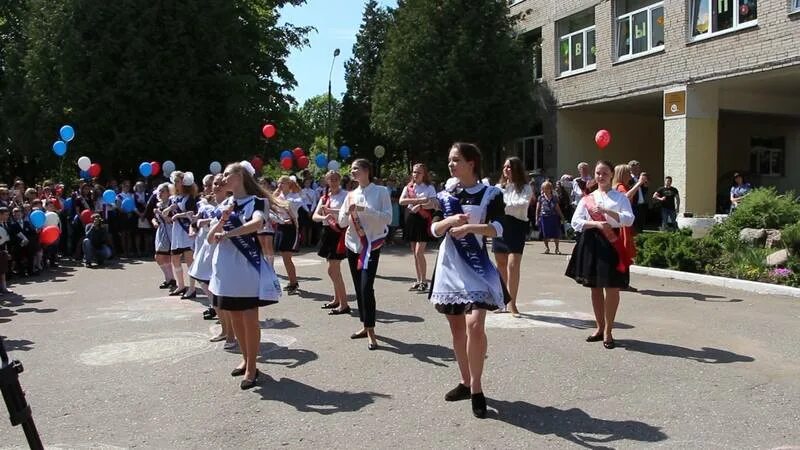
363 280
640 211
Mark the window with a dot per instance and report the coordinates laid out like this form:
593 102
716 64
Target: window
796 5
536 62
576 43
768 156
531 151
533 52
714 16
640 27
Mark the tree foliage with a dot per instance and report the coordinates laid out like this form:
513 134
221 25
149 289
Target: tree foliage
451 71
360 73
187 80
314 113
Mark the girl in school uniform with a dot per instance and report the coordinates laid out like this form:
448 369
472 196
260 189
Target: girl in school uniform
418 197
287 235
241 278
163 236
182 208
207 214
600 260
367 213
332 245
466 284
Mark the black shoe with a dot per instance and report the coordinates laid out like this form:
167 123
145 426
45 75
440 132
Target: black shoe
178 292
609 344
247 384
166 284
372 346
293 289
359 335
423 287
460 392
595 338
478 405
237 372
414 287
210 314
330 305
189 296
336 312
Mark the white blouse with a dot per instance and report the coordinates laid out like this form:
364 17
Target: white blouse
517 202
612 200
375 218
295 201
336 201
421 190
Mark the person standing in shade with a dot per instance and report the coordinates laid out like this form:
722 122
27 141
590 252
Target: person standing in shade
670 204
367 213
584 176
417 196
466 283
639 203
508 248
599 260
738 191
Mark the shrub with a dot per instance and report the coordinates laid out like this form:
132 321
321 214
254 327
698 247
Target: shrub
677 251
765 208
790 236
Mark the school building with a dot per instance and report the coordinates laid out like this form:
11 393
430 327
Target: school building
695 89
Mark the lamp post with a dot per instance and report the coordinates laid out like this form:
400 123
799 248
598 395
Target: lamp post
330 99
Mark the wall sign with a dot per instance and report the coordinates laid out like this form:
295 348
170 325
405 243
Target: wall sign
674 104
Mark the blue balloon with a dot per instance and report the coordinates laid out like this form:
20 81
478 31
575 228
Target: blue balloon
344 152
67 133
286 154
68 204
109 196
59 148
37 219
128 205
145 169
84 174
322 161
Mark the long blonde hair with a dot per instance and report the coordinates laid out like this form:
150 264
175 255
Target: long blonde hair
251 187
293 186
621 172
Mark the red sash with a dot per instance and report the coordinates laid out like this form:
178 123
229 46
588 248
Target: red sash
425 213
340 247
366 246
611 236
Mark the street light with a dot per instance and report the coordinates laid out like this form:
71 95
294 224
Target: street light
330 99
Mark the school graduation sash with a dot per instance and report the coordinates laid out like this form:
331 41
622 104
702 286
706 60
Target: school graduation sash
624 261
367 246
246 244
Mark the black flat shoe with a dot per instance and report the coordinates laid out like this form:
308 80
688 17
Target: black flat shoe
372 346
165 285
359 335
209 314
248 384
460 392
330 305
336 312
595 338
177 292
237 372
478 405
189 296
609 344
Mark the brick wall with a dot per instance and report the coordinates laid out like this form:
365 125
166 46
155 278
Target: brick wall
773 43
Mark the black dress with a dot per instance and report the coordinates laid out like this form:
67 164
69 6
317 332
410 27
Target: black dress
594 262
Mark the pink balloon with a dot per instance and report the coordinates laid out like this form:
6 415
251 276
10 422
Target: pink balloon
269 131
602 139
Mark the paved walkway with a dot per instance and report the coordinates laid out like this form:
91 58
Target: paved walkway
111 362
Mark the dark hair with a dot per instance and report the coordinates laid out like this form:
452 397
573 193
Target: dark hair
606 163
517 173
668 178
470 152
365 164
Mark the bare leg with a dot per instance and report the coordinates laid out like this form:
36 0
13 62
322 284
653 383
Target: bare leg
227 325
502 266
599 309
422 264
253 337
476 347
289 265
611 305
188 258
458 328
237 322
339 291
177 270
413 246
514 261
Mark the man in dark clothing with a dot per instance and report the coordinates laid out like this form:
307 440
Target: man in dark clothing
639 204
95 245
670 203
5 240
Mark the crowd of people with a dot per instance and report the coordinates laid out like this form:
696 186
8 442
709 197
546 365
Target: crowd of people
221 236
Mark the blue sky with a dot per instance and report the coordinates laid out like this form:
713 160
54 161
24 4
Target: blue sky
337 22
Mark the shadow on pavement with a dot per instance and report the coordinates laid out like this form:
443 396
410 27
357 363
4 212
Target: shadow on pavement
693 295
398 279
22 345
15 301
315 296
270 353
571 322
305 398
387 317
573 425
278 324
705 355
299 278
52 274
421 352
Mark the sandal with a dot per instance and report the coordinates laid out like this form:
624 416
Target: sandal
547 251
336 312
558 252
609 344
595 338
330 305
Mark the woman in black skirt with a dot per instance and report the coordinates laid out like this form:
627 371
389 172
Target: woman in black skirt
598 260
332 245
508 248
418 197
287 235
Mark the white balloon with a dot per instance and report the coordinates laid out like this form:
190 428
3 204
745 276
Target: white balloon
380 151
215 167
168 167
334 165
188 179
51 218
84 163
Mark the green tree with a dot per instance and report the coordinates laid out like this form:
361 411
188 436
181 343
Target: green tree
360 73
148 80
451 71
314 114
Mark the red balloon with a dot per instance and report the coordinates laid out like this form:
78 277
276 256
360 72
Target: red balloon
298 152
269 131
49 235
156 167
602 139
257 163
286 163
95 169
86 216
302 161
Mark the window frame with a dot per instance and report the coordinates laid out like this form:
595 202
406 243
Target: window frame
538 151
629 15
794 6
586 67
761 148
737 26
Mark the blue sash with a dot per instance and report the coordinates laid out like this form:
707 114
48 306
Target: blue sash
468 248
246 244
184 223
